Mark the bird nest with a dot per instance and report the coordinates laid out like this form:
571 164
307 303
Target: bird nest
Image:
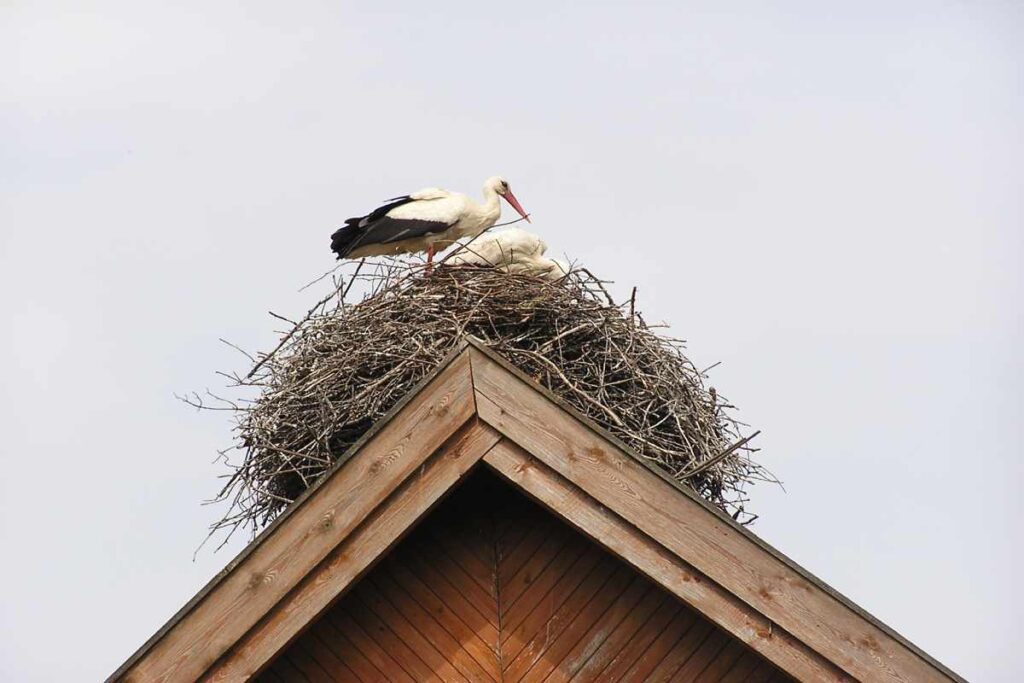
342 367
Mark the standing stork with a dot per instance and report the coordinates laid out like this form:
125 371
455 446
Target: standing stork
427 220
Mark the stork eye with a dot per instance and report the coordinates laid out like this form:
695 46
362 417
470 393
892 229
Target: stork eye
504 185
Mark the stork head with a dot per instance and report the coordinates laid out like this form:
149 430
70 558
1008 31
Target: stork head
501 186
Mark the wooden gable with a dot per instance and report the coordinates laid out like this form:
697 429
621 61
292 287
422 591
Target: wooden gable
477 411
491 587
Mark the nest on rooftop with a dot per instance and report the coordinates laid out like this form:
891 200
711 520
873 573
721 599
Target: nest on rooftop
342 367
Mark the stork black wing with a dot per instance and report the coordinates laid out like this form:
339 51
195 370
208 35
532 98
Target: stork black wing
381 211
378 228
390 229
347 238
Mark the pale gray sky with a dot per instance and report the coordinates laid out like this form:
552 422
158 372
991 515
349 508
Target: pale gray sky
824 196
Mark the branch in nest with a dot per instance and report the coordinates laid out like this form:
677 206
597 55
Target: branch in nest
341 368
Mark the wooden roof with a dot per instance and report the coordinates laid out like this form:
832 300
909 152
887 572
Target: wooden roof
476 410
492 587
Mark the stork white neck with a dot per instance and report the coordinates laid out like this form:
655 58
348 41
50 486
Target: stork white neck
492 200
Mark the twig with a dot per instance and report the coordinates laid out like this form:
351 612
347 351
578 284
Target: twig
718 458
341 367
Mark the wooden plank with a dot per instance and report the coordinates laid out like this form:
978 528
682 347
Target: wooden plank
528 643
435 609
284 670
558 549
685 647
439 561
513 561
461 522
567 556
270 675
623 634
691 657
315 526
780 677
513 532
669 571
637 645
459 531
684 622
320 646
302 659
765 672
581 623
550 598
723 662
470 564
432 629
350 558
743 668
363 614
567 661
456 597
353 637
515 520
408 633
695 534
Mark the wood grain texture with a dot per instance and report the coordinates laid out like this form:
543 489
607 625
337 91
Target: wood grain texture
311 530
625 540
350 558
495 587
690 531
588 617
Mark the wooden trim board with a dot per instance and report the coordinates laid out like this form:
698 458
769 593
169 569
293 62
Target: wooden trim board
315 526
476 407
355 555
624 540
717 548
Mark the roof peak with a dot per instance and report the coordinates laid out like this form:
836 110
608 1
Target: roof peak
476 410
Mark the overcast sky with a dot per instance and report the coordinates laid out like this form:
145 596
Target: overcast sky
826 197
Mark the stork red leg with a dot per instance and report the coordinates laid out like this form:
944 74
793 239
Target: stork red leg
430 258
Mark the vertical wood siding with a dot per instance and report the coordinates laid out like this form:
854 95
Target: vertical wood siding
491 587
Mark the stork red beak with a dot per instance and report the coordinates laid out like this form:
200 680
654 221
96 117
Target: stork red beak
511 199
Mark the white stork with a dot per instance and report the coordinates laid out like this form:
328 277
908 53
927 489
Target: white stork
427 220
513 251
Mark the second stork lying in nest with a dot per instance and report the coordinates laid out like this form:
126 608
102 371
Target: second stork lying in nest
513 251
426 220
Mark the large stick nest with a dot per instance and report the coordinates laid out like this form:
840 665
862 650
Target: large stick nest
345 365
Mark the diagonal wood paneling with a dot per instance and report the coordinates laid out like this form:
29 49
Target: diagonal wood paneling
513 573
224 612
492 587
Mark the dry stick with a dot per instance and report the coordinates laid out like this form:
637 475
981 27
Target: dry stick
282 318
718 458
579 392
308 315
329 272
239 349
553 340
571 336
600 285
